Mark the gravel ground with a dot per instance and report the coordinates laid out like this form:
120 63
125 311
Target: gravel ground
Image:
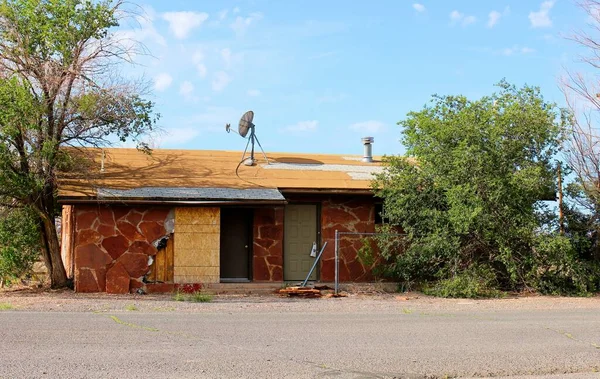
69 301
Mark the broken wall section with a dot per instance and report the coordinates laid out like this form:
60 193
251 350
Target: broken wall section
114 246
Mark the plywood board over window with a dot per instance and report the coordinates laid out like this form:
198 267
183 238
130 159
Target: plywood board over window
197 245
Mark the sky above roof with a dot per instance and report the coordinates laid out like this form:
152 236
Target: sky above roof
320 75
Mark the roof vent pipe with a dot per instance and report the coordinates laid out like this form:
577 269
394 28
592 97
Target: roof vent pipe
368 154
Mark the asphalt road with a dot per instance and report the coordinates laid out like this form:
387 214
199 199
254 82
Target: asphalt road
232 342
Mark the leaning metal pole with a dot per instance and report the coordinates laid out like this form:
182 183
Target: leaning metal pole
337 264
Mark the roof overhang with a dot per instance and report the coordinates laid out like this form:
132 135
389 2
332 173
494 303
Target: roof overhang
181 196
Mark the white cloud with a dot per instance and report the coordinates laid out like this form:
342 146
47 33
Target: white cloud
220 81
457 18
241 24
541 18
493 18
236 10
186 89
177 136
253 92
222 14
419 7
507 51
226 55
303 126
162 81
198 60
182 23
202 71
141 31
370 126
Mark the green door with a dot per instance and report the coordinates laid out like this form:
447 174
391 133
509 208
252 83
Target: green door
300 232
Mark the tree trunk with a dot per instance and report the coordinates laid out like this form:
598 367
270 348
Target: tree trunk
51 253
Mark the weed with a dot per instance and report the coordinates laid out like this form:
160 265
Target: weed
199 297
179 296
6 306
131 307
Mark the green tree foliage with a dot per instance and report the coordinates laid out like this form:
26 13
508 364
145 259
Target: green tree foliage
19 243
469 195
59 88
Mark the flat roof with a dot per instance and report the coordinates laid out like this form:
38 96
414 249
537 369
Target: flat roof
126 173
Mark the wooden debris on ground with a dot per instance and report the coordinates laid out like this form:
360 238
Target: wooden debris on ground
300 292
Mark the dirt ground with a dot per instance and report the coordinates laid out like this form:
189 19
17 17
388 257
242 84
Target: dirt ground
43 299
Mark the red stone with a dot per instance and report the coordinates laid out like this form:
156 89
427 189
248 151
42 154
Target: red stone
160 287
261 269
135 264
91 256
156 214
134 217
328 270
105 215
152 230
274 232
142 247
129 231
119 212
87 236
117 279
85 220
356 270
277 274
135 284
275 260
107 230
85 281
115 246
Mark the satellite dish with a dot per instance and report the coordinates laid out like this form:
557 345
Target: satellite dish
246 126
246 123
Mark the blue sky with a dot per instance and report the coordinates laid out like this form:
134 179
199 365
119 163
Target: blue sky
321 74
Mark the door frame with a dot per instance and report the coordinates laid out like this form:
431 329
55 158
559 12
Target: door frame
318 224
250 245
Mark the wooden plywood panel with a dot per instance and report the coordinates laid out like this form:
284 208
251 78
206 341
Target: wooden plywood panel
162 268
197 244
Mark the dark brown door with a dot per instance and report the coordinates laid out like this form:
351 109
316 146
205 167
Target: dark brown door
236 244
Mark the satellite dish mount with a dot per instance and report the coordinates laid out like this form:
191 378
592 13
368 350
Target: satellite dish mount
247 128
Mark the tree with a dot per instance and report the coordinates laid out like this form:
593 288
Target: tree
19 243
469 195
59 88
582 95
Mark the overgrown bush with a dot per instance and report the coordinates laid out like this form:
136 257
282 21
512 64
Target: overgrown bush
19 244
470 197
474 282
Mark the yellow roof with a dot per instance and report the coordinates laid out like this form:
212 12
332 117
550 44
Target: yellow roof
128 169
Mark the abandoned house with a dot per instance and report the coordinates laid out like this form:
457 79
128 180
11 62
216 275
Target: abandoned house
137 221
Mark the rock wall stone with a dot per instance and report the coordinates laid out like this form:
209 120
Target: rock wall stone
345 214
113 244
267 262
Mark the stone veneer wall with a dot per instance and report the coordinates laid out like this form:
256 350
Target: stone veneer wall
197 245
112 246
346 214
267 262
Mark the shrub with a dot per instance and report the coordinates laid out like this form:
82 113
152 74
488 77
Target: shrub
472 283
19 244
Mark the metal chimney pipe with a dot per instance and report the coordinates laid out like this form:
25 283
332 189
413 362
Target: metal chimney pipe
368 154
